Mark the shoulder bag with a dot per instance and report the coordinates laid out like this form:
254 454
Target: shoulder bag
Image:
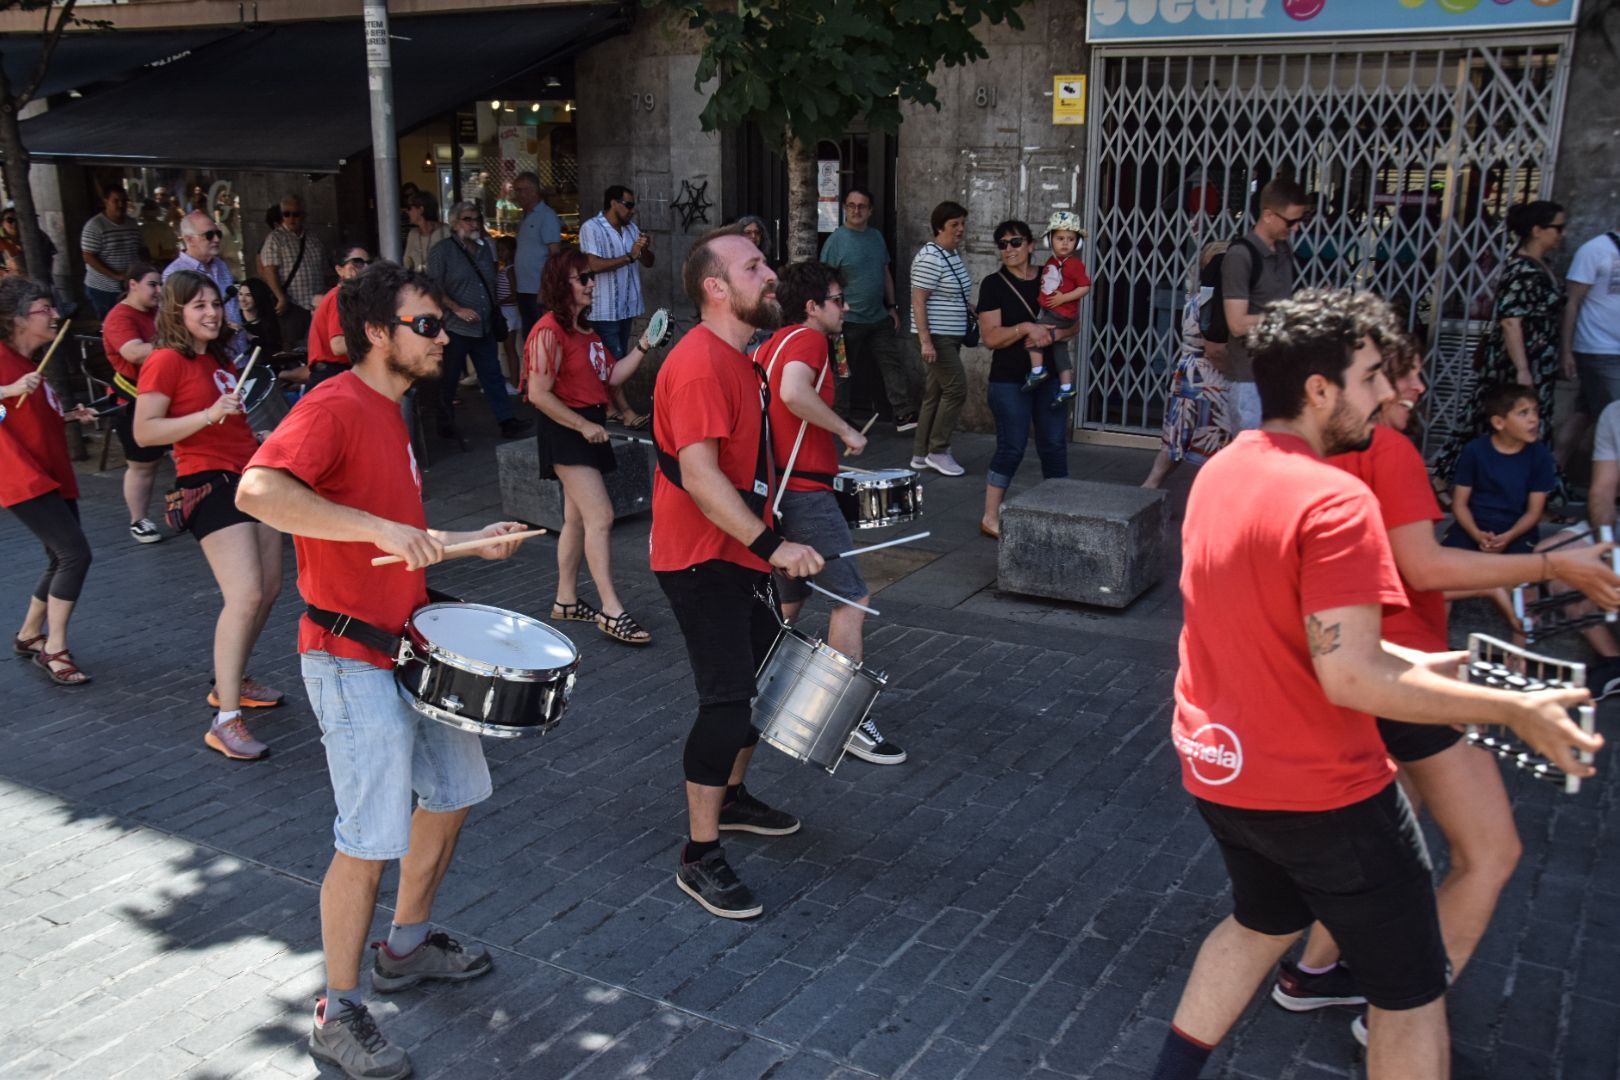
497 322
970 337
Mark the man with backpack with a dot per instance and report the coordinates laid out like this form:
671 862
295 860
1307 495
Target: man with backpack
1591 331
1256 271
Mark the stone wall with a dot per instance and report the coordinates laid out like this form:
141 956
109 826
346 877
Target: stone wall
1588 178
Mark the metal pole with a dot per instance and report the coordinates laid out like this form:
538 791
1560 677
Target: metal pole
384 148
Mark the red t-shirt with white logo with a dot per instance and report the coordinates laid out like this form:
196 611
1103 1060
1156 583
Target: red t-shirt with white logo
580 380
818 453
350 445
1394 470
126 323
192 383
706 389
1272 535
323 327
1063 275
33 448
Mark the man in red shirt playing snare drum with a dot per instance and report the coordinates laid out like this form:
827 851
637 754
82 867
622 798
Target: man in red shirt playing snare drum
340 476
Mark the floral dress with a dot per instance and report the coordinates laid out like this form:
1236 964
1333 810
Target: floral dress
1530 293
1198 418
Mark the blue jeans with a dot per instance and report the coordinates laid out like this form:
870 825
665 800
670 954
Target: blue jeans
615 334
379 750
1015 412
102 301
486 360
1247 397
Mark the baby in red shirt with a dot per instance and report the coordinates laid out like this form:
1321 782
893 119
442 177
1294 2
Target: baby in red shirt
1064 283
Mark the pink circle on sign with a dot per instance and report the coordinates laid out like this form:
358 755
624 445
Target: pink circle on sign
1303 9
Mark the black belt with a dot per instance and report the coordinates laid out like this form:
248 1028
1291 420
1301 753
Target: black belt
367 634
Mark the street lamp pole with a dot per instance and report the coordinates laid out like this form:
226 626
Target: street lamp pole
384 148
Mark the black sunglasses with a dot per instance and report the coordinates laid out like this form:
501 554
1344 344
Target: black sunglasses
585 277
1292 221
211 234
357 261
1010 242
428 326
291 214
838 299
628 204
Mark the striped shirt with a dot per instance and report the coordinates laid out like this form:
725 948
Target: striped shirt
945 277
618 292
115 243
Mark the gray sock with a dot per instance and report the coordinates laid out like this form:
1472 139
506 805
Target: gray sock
407 938
335 999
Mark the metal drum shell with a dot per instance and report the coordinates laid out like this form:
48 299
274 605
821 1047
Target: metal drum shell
481 697
810 697
877 500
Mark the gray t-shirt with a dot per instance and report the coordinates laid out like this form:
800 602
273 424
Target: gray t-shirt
1606 444
117 245
1276 282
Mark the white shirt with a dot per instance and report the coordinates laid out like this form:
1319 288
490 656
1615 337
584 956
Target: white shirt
618 292
1597 327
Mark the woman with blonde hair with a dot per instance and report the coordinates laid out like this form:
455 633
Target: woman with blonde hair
188 398
1198 418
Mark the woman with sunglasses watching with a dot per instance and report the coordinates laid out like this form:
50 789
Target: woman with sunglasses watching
328 355
1009 306
568 373
188 399
36 477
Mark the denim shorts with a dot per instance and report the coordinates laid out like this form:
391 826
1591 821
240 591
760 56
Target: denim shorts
815 519
379 750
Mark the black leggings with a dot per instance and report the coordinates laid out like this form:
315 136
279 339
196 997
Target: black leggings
55 521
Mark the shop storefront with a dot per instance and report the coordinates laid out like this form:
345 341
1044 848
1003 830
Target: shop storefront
1416 125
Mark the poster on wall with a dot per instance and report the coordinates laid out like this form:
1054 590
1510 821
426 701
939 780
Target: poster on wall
1068 99
826 196
1110 21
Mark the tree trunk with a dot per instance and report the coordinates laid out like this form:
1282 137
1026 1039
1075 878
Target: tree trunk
16 175
801 176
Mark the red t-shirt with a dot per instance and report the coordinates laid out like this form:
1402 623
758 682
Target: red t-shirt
192 384
323 327
33 447
126 323
1273 534
705 390
350 445
1394 470
1061 276
818 453
581 379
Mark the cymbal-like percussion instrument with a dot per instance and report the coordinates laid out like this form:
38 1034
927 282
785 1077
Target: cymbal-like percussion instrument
1502 666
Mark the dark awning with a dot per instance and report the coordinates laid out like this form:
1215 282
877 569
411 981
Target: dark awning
83 58
293 97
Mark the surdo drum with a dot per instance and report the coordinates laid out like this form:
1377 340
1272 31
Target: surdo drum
486 670
810 697
878 498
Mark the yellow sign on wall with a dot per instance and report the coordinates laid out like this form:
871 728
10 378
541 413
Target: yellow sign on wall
1068 99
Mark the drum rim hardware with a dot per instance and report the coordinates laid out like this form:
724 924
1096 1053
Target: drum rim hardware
472 666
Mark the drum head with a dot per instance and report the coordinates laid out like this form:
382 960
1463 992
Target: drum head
491 635
260 384
850 479
658 327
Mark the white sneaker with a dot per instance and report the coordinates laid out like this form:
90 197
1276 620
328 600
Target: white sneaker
145 531
919 463
511 391
944 463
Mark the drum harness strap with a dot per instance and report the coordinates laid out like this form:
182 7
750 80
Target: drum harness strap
368 634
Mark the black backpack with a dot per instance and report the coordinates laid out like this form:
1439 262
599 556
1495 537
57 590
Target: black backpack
1212 312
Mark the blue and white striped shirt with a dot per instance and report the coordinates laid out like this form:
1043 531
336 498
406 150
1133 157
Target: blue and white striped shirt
618 292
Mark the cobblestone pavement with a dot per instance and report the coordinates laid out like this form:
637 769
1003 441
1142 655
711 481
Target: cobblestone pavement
1021 899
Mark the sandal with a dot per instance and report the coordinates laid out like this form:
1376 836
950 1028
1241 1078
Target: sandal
30 646
579 611
641 421
69 676
622 627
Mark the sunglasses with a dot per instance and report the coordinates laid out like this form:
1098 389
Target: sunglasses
584 277
291 214
1559 226
1014 242
211 234
1292 221
628 204
835 299
428 326
361 263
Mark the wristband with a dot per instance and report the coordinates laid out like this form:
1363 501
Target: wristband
765 544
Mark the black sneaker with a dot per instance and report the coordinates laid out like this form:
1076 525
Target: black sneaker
513 428
711 882
1603 677
747 814
350 1040
903 424
439 957
867 743
1297 991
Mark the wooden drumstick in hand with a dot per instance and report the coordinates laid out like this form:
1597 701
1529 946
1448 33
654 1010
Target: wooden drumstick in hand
467 545
60 334
865 429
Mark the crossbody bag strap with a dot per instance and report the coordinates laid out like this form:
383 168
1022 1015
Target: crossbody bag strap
303 243
757 497
1012 284
477 273
1614 238
961 289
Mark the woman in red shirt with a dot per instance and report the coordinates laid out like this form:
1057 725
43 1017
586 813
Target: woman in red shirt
126 336
36 478
188 398
568 372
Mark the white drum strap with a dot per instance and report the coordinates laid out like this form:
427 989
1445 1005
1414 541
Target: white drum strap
781 481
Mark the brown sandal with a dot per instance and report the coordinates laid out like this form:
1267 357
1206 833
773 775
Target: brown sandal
622 627
31 646
579 611
71 676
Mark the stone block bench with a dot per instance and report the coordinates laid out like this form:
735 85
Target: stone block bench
525 497
1079 540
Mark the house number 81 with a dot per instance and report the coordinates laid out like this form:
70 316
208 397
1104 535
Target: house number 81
984 97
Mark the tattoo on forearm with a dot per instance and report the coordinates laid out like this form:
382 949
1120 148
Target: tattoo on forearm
1322 639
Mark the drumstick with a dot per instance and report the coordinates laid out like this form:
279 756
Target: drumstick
865 429
248 370
50 352
876 547
840 599
466 545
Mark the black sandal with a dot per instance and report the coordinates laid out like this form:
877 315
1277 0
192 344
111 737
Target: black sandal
622 627
579 611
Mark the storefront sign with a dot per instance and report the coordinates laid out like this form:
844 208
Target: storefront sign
1068 99
1183 20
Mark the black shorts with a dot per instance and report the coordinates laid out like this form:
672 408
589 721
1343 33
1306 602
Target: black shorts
1414 742
218 509
728 630
124 425
1362 869
559 445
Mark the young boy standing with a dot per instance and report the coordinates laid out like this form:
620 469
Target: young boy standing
1064 283
1503 478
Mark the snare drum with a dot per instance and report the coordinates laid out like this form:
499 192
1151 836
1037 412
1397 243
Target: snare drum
262 400
810 697
485 670
878 498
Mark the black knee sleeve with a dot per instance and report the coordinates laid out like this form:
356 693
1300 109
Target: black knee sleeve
721 729
70 565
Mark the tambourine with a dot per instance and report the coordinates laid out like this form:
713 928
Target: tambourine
658 328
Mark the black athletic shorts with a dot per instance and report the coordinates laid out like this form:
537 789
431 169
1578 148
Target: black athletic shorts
124 425
1362 869
218 510
1414 742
